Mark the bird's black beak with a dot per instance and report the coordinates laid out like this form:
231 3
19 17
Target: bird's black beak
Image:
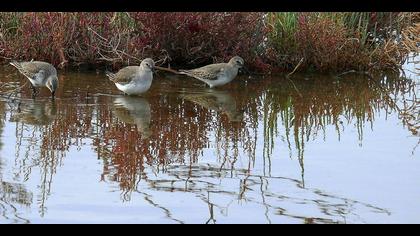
153 69
246 70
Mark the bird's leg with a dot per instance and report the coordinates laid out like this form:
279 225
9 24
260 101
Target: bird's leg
34 91
246 70
33 94
33 88
52 95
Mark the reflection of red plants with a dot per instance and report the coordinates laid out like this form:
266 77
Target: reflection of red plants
118 149
180 134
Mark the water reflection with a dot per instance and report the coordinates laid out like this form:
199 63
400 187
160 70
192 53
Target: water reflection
216 100
343 104
134 110
11 193
276 195
205 144
35 113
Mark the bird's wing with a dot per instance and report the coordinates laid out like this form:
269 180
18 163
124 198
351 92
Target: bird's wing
209 72
34 69
123 76
28 69
39 76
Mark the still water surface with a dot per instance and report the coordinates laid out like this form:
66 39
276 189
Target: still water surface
260 150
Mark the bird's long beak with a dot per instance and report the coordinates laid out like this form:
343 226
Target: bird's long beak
153 69
246 70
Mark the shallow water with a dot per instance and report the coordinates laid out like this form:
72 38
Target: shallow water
316 149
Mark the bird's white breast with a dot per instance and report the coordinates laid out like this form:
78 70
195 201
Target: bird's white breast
135 87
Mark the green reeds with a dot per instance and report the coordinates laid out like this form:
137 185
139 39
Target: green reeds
342 41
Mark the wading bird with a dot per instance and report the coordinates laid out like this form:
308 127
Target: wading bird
40 74
217 74
134 80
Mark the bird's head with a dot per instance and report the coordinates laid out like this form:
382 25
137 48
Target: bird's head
148 65
237 61
52 84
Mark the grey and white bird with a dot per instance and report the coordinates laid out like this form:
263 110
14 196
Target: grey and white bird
217 74
134 80
40 74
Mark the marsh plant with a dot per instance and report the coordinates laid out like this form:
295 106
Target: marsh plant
269 42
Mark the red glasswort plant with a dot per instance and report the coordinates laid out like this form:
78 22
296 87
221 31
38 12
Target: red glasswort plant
274 42
183 39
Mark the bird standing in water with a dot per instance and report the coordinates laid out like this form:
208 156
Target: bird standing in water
134 80
217 74
40 74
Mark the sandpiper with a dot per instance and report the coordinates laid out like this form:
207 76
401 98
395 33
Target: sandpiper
134 80
217 74
40 74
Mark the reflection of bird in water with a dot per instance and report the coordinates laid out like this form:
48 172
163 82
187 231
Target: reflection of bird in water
220 101
35 113
134 110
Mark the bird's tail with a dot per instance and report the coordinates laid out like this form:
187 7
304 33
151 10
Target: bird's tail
16 64
183 72
110 75
190 73
186 72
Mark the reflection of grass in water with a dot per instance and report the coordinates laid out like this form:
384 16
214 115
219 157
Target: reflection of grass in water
44 144
180 131
203 182
11 193
339 104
